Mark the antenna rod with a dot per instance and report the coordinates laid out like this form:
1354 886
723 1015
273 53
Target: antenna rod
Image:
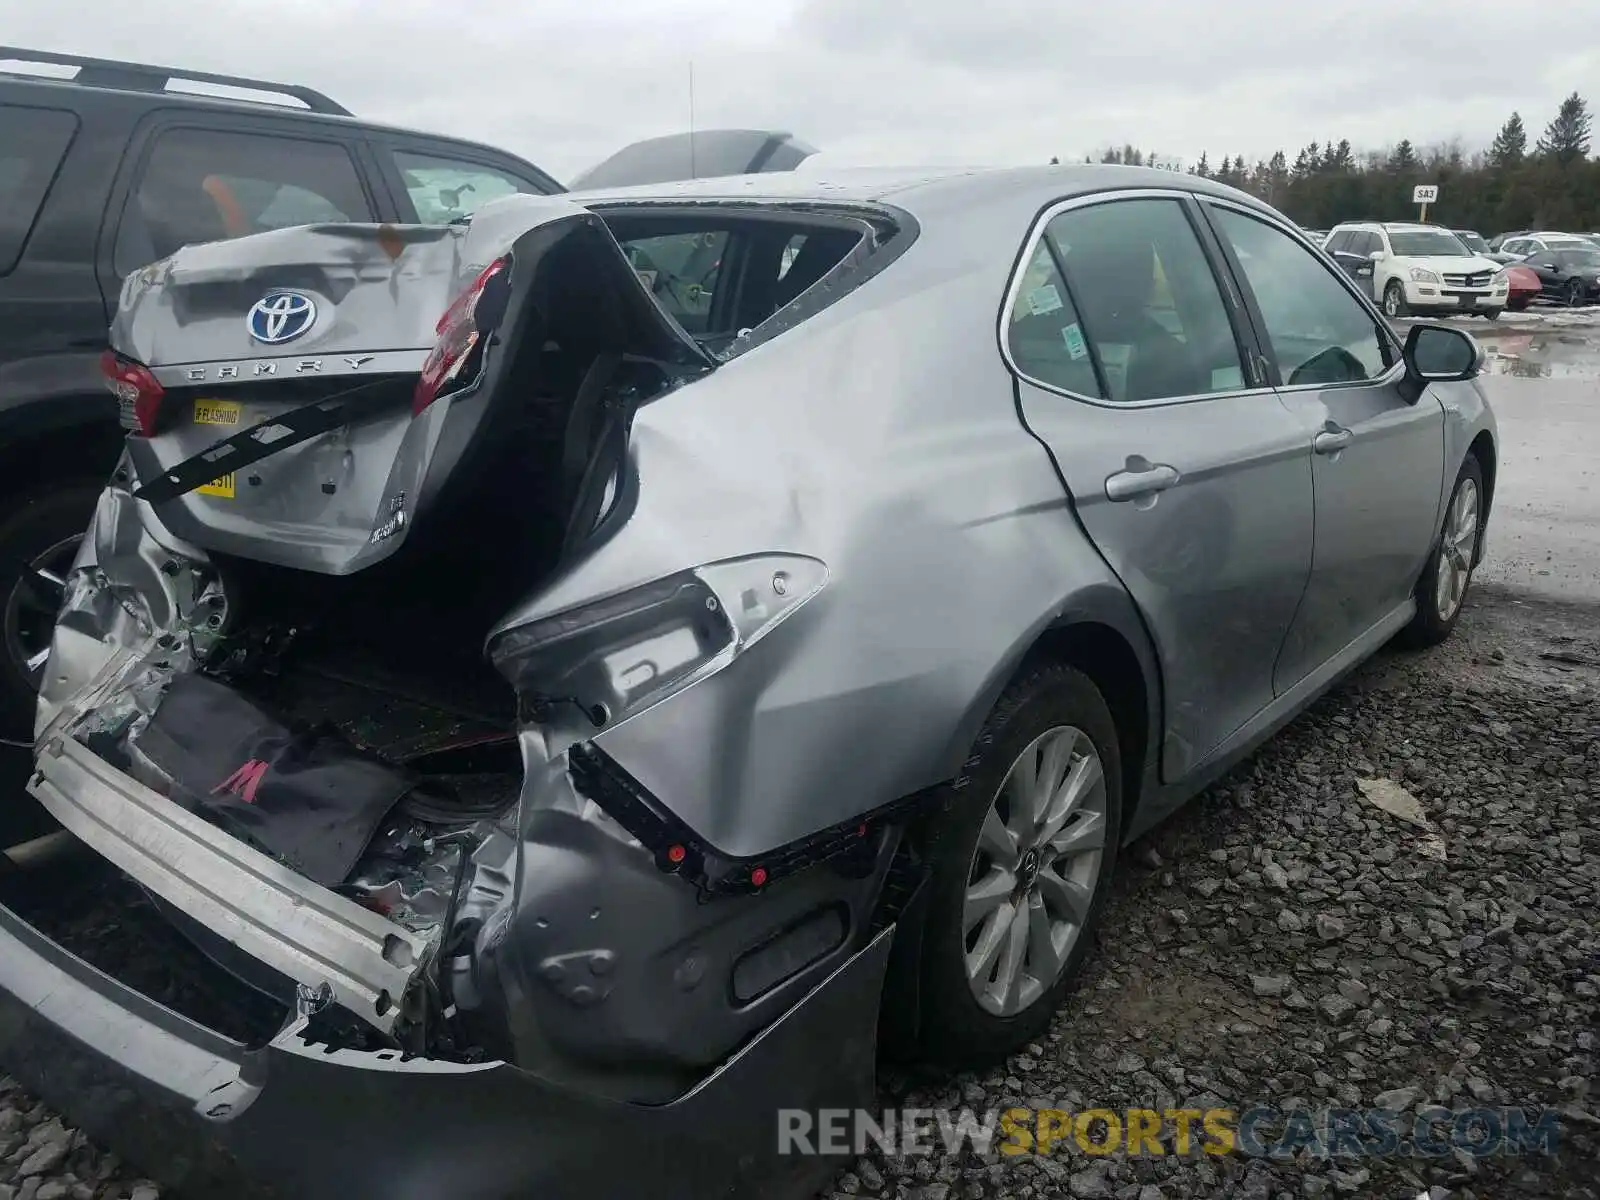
693 171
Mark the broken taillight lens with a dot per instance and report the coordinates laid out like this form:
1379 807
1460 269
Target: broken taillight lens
137 390
457 357
617 656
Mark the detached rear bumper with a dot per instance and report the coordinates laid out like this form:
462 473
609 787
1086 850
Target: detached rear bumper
210 1117
291 924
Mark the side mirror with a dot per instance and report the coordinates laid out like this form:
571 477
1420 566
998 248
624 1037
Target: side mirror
1440 354
1378 255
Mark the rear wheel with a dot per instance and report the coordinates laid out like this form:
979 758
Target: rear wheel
38 541
1394 300
1022 857
1442 591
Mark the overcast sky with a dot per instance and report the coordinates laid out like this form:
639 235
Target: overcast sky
882 81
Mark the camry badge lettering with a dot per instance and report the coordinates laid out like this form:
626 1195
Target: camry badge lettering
301 366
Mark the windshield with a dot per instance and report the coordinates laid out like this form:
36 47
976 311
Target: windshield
1427 243
1473 242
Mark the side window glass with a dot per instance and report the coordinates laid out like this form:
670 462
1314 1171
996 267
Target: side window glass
1044 335
681 271
1319 332
444 190
1340 241
204 185
33 142
1152 311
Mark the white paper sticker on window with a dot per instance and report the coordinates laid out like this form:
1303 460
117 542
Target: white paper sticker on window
1044 300
1073 337
1227 379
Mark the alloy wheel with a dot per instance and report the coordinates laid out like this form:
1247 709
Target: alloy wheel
32 607
1575 293
1034 871
1458 545
1391 303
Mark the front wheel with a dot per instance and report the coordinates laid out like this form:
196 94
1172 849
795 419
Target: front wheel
1575 296
1492 314
1021 859
1394 300
1442 591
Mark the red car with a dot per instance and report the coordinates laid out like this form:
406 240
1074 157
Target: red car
1525 287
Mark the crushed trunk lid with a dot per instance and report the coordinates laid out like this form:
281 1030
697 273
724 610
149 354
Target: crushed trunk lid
289 426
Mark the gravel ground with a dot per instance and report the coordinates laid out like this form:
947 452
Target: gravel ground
1282 941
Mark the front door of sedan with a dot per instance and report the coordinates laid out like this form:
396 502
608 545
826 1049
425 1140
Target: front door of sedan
1191 478
1378 458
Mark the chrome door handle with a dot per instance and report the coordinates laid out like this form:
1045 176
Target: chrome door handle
1141 478
1331 440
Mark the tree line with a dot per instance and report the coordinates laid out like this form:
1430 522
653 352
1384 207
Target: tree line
1553 185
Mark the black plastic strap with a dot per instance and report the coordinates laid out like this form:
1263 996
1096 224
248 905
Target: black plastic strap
252 445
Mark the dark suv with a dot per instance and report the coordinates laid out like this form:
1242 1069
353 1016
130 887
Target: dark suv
111 169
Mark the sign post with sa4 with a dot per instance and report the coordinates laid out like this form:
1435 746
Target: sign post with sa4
1424 194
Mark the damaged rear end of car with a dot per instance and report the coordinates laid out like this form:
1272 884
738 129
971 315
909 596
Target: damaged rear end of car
311 705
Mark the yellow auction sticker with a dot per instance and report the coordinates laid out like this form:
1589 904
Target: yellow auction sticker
221 486
217 412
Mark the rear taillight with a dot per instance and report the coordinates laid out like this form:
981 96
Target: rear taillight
457 357
137 391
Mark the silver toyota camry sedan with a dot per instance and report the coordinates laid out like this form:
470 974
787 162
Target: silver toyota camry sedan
576 681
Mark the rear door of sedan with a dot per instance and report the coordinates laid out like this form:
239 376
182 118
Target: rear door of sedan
1378 458
1136 367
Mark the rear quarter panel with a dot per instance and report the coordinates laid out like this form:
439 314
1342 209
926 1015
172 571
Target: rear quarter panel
882 438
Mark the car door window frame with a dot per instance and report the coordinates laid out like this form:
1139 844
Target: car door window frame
1245 337
131 172
1386 336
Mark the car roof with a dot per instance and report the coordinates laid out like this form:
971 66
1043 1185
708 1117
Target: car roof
919 190
66 92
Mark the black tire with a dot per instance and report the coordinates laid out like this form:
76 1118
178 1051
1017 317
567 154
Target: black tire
1394 300
44 517
1575 293
1430 626
955 1029
1492 314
